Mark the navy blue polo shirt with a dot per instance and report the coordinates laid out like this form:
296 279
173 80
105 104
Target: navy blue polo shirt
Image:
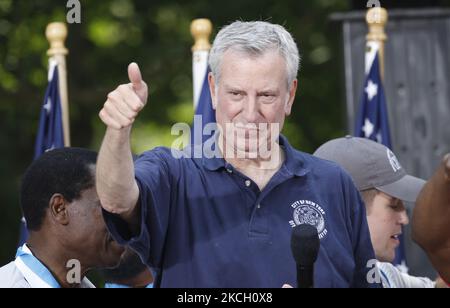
205 224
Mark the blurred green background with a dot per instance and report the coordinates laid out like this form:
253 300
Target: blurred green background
156 35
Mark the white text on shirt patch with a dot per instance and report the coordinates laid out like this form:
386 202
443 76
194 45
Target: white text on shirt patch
309 212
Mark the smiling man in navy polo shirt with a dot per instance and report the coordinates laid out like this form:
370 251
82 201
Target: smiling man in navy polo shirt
226 220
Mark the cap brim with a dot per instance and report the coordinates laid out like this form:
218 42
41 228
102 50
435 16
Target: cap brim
406 189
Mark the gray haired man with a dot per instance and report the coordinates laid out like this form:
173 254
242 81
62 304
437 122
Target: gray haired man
226 221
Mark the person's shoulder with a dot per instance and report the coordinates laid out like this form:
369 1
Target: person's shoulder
8 270
325 171
189 156
158 152
11 277
387 267
393 277
320 166
167 154
172 161
158 155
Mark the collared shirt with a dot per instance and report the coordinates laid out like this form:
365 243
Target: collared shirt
392 277
26 271
205 224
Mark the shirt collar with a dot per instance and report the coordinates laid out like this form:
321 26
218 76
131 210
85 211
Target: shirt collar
294 163
214 163
34 272
212 158
37 274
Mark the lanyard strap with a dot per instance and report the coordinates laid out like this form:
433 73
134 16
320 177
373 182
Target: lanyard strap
35 273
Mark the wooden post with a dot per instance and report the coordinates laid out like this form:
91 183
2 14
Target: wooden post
377 18
201 30
56 34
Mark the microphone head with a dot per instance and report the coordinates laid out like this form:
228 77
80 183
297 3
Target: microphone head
305 244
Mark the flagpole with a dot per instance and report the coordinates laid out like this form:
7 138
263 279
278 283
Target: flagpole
376 19
201 30
56 34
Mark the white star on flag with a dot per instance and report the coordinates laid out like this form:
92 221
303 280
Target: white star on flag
367 128
48 106
379 137
371 90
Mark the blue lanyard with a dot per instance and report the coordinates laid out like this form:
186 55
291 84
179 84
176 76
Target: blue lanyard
35 266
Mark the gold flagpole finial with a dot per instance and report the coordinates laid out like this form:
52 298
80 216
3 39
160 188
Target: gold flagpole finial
201 30
376 19
56 34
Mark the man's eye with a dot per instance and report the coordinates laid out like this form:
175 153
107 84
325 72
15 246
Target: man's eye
396 207
236 95
267 98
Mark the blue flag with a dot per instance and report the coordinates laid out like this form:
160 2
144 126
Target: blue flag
50 134
373 123
205 110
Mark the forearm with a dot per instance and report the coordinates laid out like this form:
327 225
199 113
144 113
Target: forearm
116 185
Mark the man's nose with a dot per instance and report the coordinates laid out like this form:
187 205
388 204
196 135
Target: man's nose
403 219
251 110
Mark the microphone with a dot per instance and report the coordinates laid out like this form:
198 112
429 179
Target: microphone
305 246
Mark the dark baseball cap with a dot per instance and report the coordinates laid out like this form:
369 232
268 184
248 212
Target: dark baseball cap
372 165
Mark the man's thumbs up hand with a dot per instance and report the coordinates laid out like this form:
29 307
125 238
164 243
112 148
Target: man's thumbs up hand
124 103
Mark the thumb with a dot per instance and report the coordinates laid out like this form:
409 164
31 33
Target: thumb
139 86
134 74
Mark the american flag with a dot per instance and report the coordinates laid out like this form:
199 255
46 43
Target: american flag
50 133
204 109
372 122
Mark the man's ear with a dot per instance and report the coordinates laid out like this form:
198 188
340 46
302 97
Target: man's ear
212 89
290 101
58 209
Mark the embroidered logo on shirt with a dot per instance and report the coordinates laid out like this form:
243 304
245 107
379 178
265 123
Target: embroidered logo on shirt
309 212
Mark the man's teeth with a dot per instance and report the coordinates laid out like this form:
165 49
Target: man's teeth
395 237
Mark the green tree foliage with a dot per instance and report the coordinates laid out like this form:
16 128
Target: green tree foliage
156 35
